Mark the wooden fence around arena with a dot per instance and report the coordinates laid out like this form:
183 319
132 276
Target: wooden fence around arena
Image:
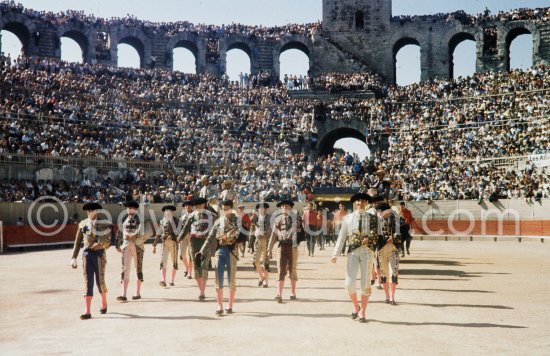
467 219
25 236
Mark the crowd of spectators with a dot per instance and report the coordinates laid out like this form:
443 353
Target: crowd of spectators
70 109
438 133
538 15
338 82
436 137
170 28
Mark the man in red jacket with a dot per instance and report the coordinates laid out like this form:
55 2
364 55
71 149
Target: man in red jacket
246 221
309 217
406 228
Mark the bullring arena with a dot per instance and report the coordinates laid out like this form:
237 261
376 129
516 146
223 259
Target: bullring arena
454 297
107 173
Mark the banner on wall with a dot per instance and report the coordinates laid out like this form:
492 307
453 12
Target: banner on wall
542 160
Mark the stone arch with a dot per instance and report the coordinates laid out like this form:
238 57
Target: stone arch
295 45
511 34
301 43
137 44
135 38
326 143
243 43
22 27
455 40
184 40
400 43
243 46
77 32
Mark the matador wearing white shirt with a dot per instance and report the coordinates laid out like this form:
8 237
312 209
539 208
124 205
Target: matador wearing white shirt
130 243
360 230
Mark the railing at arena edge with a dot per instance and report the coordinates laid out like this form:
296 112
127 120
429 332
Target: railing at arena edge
30 160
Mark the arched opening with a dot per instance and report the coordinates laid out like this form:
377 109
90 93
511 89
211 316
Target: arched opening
462 55
11 45
406 57
74 47
130 53
349 139
15 38
293 61
359 20
238 61
71 51
519 49
353 146
184 57
128 56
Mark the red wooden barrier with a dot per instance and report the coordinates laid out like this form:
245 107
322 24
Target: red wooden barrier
488 227
25 235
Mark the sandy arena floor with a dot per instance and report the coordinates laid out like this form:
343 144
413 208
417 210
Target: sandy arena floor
454 298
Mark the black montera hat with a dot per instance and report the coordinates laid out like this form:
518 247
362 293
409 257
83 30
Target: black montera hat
360 196
285 202
91 206
227 202
383 206
132 204
199 201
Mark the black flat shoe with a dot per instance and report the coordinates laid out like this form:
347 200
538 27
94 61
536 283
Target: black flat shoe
85 316
185 274
219 312
393 302
172 284
260 282
279 299
136 297
229 311
387 301
292 297
202 297
354 315
121 298
371 282
362 320
103 311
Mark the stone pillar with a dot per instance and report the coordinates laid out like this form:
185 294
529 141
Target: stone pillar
426 61
254 60
90 54
480 64
222 61
114 54
541 53
200 59
158 53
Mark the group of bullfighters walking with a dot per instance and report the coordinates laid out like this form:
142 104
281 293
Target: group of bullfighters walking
370 235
